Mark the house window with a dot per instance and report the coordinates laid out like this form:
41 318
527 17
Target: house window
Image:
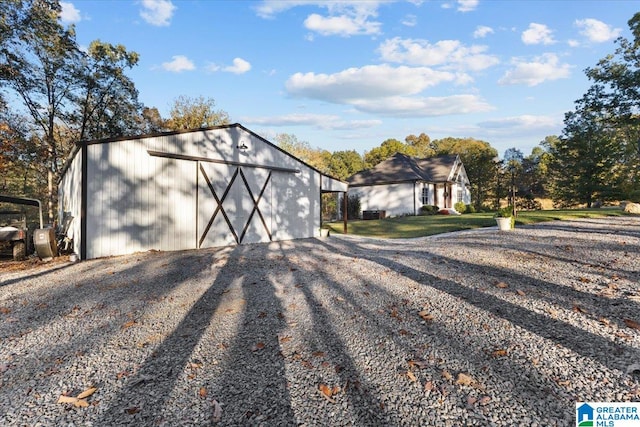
460 194
425 195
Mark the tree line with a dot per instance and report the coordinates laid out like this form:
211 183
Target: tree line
54 94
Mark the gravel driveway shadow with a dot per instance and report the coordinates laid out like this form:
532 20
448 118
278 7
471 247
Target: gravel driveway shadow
246 381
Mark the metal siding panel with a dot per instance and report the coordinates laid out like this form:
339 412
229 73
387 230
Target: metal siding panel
296 203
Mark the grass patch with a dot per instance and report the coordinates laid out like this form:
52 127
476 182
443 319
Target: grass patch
419 226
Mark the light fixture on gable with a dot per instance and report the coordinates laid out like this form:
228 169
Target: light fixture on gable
242 146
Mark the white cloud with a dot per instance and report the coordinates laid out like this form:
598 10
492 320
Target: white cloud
538 34
178 64
399 106
340 25
269 8
445 53
344 18
240 66
467 5
523 122
369 82
410 21
69 13
157 12
597 31
544 68
319 121
573 43
482 31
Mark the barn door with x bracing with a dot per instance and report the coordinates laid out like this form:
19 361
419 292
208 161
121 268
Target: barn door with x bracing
234 205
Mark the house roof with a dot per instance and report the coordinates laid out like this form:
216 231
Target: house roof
329 183
403 168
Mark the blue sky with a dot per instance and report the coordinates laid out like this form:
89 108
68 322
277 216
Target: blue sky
345 75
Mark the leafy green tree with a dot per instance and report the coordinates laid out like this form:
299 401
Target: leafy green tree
40 67
314 157
65 93
584 159
151 121
387 149
21 172
421 144
107 100
617 83
343 164
194 113
533 181
513 159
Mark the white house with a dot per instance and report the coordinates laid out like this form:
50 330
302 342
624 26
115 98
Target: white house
401 184
201 188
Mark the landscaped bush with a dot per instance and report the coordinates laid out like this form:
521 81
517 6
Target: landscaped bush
460 207
529 203
428 210
470 209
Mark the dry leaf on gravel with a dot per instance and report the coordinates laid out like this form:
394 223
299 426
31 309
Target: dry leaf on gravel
622 335
579 309
502 285
129 324
319 354
286 338
632 324
428 386
202 392
67 399
484 400
413 363
411 376
88 392
257 346
464 379
426 316
447 375
328 392
80 401
499 353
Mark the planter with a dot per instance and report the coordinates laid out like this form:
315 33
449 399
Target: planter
504 224
324 232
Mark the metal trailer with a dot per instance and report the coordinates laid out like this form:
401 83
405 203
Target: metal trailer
17 232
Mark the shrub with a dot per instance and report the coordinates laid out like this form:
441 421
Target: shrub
506 212
470 209
460 207
428 210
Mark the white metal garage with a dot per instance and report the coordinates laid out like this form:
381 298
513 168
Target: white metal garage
188 189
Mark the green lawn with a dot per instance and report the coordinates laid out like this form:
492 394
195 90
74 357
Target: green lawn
418 226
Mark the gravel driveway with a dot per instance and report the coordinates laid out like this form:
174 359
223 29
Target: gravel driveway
471 328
